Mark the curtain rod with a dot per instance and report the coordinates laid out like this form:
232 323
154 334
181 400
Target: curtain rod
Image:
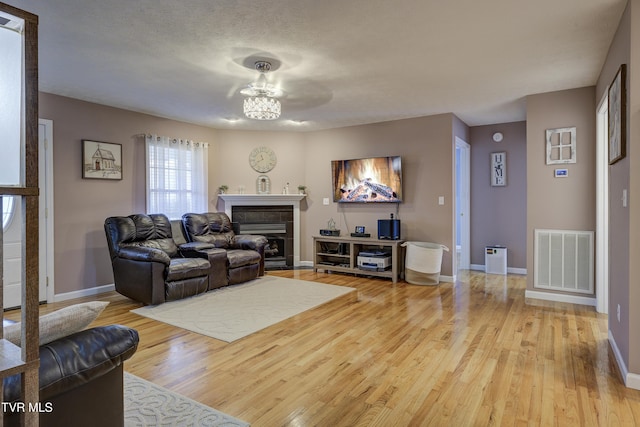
176 140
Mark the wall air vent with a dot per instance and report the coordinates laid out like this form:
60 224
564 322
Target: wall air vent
563 260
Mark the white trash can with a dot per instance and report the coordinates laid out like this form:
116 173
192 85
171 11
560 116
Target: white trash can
423 262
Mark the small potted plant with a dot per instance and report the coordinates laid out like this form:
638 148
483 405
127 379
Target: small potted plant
223 189
302 189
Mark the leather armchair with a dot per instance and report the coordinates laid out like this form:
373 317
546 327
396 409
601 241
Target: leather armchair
244 252
147 265
80 379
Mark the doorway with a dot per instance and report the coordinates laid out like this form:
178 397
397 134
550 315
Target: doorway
463 202
12 243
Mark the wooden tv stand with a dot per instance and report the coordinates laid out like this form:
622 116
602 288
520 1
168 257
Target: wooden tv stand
337 253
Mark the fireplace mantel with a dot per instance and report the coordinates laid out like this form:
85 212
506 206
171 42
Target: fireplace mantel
263 199
231 200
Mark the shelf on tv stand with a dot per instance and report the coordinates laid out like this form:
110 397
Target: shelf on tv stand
347 261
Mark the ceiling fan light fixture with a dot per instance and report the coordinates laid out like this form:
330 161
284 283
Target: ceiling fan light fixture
262 108
261 103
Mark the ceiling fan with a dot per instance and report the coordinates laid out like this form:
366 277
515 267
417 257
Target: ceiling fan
262 97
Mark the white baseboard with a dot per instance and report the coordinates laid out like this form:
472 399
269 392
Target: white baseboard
305 264
631 380
84 293
549 296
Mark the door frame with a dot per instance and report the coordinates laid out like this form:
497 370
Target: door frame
602 206
464 198
45 182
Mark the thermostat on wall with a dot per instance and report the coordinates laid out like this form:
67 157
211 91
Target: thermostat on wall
561 173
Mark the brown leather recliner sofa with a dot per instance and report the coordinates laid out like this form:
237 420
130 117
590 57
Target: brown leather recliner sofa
242 255
155 260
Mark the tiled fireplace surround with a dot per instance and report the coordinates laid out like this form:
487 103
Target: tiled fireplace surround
273 215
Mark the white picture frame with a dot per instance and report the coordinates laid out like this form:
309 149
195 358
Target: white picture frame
499 169
561 146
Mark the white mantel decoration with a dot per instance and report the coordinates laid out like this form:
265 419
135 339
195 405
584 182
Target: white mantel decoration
231 200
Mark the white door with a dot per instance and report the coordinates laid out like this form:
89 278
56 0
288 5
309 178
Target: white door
463 203
12 250
12 247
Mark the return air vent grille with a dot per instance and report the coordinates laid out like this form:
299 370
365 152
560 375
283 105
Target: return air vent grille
563 260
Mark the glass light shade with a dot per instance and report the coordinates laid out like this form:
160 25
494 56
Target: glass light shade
262 108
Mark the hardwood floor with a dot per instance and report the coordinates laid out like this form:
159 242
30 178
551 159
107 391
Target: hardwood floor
472 352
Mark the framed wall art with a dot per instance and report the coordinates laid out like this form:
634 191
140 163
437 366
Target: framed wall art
561 145
263 185
101 160
499 169
617 116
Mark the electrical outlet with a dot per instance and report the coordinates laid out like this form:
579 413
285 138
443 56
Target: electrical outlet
441 200
618 313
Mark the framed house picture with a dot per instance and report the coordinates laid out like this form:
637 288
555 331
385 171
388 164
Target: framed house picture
617 116
101 160
499 169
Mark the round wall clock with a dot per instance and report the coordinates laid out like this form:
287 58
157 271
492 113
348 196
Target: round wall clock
262 159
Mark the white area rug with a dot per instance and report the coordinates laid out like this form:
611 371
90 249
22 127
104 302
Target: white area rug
233 312
148 404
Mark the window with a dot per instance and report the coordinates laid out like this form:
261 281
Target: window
177 175
8 206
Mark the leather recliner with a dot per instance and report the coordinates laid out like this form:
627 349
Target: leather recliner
80 379
244 253
147 264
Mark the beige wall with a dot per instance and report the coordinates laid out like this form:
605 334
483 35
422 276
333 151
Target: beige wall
560 203
634 188
619 217
231 165
425 145
624 224
81 259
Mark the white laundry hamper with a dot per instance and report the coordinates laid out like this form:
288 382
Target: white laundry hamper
423 262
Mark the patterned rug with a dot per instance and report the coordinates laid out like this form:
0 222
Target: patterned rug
147 404
233 312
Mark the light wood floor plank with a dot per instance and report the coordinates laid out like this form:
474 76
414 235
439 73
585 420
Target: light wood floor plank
470 353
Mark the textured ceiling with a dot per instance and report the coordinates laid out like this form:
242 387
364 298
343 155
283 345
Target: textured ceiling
340 62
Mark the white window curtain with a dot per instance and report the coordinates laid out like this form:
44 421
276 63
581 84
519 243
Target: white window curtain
177 175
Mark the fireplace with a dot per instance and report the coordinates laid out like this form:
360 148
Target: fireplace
273 222
259 203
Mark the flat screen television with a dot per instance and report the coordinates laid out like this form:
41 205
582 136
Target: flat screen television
369 180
